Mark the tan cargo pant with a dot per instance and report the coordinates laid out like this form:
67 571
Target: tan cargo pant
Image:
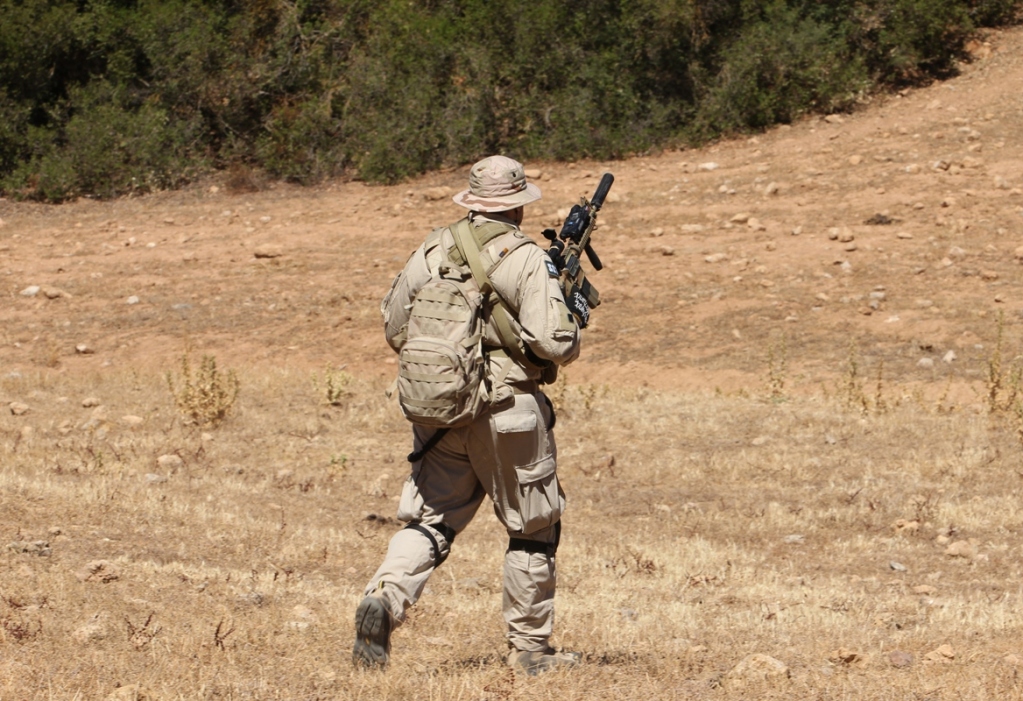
509 455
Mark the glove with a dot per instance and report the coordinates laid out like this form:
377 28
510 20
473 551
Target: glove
579 307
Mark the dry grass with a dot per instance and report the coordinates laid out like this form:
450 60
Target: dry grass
701 529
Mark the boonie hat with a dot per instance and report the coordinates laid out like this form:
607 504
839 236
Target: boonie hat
497 184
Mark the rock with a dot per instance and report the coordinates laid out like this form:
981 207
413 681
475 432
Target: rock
740 218
1018 254
532 173
772 189
903 526
131 692
302 618
667 251
707 167
170 462
441 193
925 590
90 402
949 357
102 571
268 250
897 566
83 349
900 659
760 440
692 228
794 539
962 548
904 235
95 629
30 291
925 363
716 257
53 292
133 300
844 655
132 421
18 408
657 232
834 119
988 275
31 547
855 160
945 653
756 667
153 478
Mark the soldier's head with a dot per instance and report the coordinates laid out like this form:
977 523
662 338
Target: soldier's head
498 184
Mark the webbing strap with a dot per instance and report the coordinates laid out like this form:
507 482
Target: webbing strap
417 455
470 250
535 546
445 530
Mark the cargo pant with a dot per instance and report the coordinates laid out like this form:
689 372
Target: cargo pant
509 455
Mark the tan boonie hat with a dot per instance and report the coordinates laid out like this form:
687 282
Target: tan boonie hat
497 184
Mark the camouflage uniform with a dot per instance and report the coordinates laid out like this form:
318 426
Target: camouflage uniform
508 452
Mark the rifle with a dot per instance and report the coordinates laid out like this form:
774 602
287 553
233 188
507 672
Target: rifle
566 247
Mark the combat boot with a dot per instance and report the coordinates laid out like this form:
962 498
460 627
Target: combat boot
372 633
538 661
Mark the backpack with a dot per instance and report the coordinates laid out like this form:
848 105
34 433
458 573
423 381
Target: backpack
442 366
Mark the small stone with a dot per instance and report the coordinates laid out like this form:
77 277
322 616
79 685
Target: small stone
30 291
962 548
18 408
153 478
855 160
132 421
772 189
132 300
31 547
53 292
268 250
834 119
794 539
97 628
988 275
442 193
170 462
903 526
846 236
897 566
90 402
844 655
757 667
944 653
925 363
904 235
740 218
667 251
925 590
657 232
900 659
949 357
716 257
707 167
760 440
83 349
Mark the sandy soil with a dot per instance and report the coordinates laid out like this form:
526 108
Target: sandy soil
893 229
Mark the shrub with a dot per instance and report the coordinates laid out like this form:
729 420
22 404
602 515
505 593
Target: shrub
204 396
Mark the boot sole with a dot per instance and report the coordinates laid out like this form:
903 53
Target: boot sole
372 634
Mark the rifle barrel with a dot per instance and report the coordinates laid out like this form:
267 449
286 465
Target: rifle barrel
602 189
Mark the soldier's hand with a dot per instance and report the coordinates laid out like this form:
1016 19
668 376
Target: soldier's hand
579 307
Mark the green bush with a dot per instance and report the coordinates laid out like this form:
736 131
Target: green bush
108 97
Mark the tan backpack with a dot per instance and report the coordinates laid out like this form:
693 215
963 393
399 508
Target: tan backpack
442 367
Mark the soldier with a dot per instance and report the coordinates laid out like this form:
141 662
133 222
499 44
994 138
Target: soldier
506 453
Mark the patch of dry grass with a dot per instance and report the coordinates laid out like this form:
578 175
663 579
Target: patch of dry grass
701 529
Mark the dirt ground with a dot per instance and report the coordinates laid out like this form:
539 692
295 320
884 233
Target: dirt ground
923 191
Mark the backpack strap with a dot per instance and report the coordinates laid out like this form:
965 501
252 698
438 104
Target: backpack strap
470 250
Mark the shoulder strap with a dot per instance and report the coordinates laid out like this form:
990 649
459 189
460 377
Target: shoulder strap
469 249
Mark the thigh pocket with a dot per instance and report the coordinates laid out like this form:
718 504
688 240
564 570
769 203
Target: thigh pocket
540 503
522 444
